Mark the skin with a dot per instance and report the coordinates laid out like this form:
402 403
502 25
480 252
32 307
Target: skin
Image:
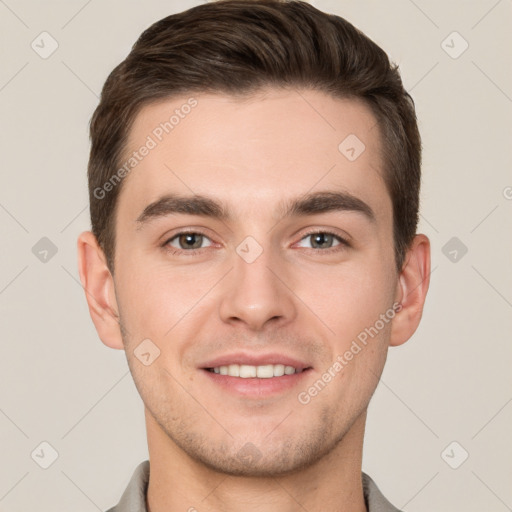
296 298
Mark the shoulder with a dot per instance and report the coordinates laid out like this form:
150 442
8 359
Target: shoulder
375 500
134 496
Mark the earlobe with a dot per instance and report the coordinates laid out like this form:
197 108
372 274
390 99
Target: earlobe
412 290
98 284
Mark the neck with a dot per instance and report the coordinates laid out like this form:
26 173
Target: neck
178 482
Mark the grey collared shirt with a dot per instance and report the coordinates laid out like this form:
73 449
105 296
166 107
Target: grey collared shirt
134 497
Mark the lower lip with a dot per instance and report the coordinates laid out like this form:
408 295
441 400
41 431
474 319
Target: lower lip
254 387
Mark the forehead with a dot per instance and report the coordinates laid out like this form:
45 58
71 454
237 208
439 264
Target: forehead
252 152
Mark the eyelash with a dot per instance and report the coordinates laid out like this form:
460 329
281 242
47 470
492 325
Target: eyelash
190 252
343 244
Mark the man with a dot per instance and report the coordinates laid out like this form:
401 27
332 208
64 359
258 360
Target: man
254 180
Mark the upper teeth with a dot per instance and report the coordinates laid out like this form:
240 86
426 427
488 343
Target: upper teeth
263 372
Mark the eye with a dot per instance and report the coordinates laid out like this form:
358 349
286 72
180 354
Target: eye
323 240
187 241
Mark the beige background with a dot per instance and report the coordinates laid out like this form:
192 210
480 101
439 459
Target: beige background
451 382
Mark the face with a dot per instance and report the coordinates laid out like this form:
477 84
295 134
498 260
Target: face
252 241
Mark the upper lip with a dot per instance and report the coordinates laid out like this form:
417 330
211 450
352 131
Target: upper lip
255 360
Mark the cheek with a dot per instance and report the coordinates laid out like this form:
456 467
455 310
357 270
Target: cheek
352 306
154 298
350 299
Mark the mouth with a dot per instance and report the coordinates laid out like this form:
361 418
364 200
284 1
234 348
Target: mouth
266 377
246 371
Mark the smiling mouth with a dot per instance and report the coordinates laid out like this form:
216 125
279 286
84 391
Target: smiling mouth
245 371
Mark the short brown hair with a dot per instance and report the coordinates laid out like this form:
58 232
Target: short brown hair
237 47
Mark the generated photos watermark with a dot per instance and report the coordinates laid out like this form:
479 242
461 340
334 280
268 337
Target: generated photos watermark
342 360
152 140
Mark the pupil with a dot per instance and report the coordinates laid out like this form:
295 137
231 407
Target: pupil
320 239
191 240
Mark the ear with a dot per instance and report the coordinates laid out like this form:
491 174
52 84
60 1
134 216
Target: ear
411 290
98 284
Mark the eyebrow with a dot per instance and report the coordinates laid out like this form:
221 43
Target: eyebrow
308 204
328 201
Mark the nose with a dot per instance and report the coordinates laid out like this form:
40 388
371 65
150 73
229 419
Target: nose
254 295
